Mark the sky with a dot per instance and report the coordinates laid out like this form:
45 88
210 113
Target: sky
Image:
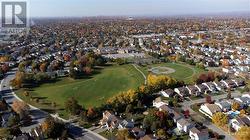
81 8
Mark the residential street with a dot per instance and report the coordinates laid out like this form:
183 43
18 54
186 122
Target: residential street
38 115
186 105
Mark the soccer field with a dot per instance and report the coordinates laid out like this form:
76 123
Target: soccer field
89 92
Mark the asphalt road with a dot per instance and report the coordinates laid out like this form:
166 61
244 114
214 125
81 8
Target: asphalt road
186 105
38 115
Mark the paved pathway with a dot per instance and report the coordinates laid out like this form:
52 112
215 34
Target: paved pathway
144 76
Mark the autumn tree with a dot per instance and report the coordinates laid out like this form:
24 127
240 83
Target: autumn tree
208 99
18 80
242 112
123 134
220 119
5 68
20 107
161 133
235 106
72 106
53 128
43 67
91 113
243 133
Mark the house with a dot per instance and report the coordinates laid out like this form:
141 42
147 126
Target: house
182 91
224 105
239 82
183 125
217 85
202 88
196 134
165 108
176 116
137 132
246 95
37 133
243 100
212 86
193 90
109 120
209 109
167 93
125 124
158 102
238 122
229 83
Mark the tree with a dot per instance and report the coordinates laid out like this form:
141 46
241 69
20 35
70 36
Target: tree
243 133
235 106
129 108
72 106
161 133
20 107
18 81
91 113
5 133
242 112
220 119
43 67
3 106
53 128
229 96
123 135
87 70
5 68
13 120
208 99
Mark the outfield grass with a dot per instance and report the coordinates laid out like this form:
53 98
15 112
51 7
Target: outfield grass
89 92
182 71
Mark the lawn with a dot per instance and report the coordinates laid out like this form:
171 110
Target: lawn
92 91
182 71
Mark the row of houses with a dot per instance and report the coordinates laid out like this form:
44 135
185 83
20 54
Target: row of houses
185 126
111 121
236 121
208 87
224 105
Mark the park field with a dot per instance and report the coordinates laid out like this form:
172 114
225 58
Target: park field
183 71
90 92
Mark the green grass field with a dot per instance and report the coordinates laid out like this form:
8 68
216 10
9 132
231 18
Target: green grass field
182 71
89 92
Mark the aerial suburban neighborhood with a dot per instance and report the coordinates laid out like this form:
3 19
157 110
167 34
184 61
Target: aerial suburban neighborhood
112 76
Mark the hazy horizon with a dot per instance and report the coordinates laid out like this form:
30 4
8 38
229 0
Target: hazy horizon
90 8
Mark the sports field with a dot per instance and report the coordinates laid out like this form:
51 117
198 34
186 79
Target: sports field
182 71
89 92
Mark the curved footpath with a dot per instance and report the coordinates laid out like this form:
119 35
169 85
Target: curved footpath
144 76
39 115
